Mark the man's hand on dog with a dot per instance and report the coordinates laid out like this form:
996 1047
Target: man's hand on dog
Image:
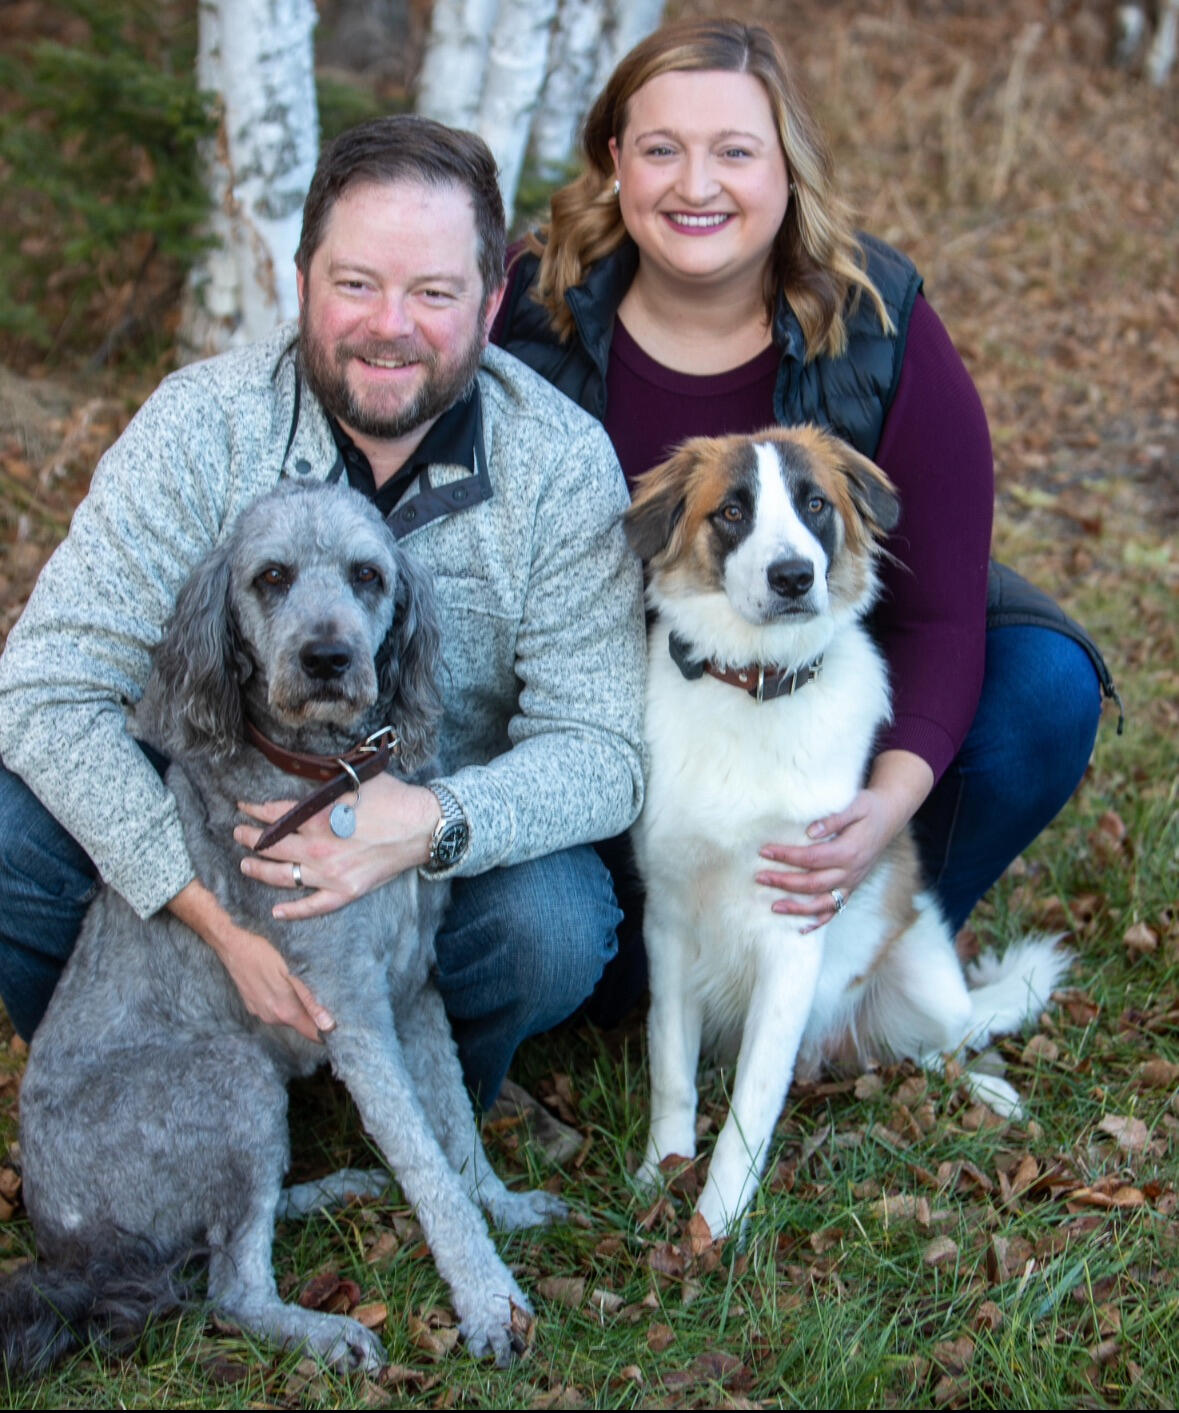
394 825
269 990
847 845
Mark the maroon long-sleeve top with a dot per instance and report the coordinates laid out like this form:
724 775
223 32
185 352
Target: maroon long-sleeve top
936 449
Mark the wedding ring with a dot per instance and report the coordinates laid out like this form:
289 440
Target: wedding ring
297 875
839 900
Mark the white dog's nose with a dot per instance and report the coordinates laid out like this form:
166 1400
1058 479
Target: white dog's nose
790 578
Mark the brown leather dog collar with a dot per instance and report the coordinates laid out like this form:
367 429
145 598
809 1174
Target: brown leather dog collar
760 682
339 773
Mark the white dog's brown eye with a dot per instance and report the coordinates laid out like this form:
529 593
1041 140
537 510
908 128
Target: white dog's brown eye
732 512
275 576
815 505
364 574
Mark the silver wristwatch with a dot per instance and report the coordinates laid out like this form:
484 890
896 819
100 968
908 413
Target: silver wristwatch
451 834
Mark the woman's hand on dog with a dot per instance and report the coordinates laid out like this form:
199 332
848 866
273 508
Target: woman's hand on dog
394 825
269 990
848 844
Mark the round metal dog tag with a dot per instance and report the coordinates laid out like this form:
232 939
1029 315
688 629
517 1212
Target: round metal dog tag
342 821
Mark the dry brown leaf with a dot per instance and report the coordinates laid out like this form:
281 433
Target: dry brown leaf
868 1085
659 1337
372 1315
699 1234
436 1343
1130 1134
562 1290
954 1355
988 1316
1041 1047
607 1301
385 1246
1140 938
939 1251
1158 1073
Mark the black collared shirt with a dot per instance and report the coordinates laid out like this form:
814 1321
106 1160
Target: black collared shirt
455 439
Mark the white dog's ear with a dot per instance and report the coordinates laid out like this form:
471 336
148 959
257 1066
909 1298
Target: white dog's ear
874 495
193 696
408 664
657 511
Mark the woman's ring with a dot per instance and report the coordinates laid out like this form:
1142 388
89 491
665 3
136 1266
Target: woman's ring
839 900
297 875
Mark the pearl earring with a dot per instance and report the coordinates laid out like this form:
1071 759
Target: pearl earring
617 186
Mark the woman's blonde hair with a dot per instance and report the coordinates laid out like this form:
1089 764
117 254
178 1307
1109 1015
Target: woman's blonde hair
816 261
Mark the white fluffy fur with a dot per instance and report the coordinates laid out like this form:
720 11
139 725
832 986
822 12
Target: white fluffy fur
729 776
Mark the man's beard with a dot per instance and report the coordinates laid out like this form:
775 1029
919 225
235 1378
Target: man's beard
325 371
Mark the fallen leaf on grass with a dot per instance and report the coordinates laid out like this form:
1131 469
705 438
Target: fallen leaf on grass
939 1251
1140 938
437 1343
954 1355
699 1234
371 1315
331 1292
1152 1074
563 1290
659 1337
988 1316
1040 1047
1130 1134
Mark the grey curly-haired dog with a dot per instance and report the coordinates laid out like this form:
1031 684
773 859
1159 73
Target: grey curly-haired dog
154 1107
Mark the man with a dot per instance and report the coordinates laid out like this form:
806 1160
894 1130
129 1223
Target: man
504 489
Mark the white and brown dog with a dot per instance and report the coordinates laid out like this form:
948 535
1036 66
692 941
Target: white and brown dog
765 695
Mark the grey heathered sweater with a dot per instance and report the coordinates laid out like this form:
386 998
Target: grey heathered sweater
539 597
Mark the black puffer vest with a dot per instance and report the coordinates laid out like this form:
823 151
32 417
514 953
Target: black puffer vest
850 395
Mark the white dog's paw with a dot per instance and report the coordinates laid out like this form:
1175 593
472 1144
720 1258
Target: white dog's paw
997 1094
512 1211
498 1326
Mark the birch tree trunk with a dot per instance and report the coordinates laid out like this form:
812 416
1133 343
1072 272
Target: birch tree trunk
257 56
450 83
515 73
628 21
569 87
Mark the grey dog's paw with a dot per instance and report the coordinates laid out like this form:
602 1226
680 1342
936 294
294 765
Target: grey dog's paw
510 1211
345 1344
499 1327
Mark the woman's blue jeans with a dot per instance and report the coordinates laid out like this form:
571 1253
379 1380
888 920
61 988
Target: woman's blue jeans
522 947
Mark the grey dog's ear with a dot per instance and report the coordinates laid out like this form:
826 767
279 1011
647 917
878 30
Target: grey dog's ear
193 697
409 662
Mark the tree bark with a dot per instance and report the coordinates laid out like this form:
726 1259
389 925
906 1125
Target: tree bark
516 67
568 89
257 56
451 80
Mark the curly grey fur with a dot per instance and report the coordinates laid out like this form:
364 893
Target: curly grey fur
154 1106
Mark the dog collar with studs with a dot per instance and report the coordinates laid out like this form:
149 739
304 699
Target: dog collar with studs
339 773
757 680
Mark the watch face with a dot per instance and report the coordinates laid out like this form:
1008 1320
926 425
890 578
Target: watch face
449 845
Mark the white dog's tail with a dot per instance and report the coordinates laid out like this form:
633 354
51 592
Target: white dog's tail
1007 991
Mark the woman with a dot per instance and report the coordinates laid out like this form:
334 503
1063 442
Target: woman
701 277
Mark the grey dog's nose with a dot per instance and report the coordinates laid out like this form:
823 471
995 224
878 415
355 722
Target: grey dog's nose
791 578
325 658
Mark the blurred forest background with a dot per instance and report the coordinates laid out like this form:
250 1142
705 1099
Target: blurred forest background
1035 181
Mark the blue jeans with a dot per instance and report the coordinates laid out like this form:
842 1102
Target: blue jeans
520 948
1023 757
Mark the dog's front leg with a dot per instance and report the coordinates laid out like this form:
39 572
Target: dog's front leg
433 1063
786 979
367 1056
674 1026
